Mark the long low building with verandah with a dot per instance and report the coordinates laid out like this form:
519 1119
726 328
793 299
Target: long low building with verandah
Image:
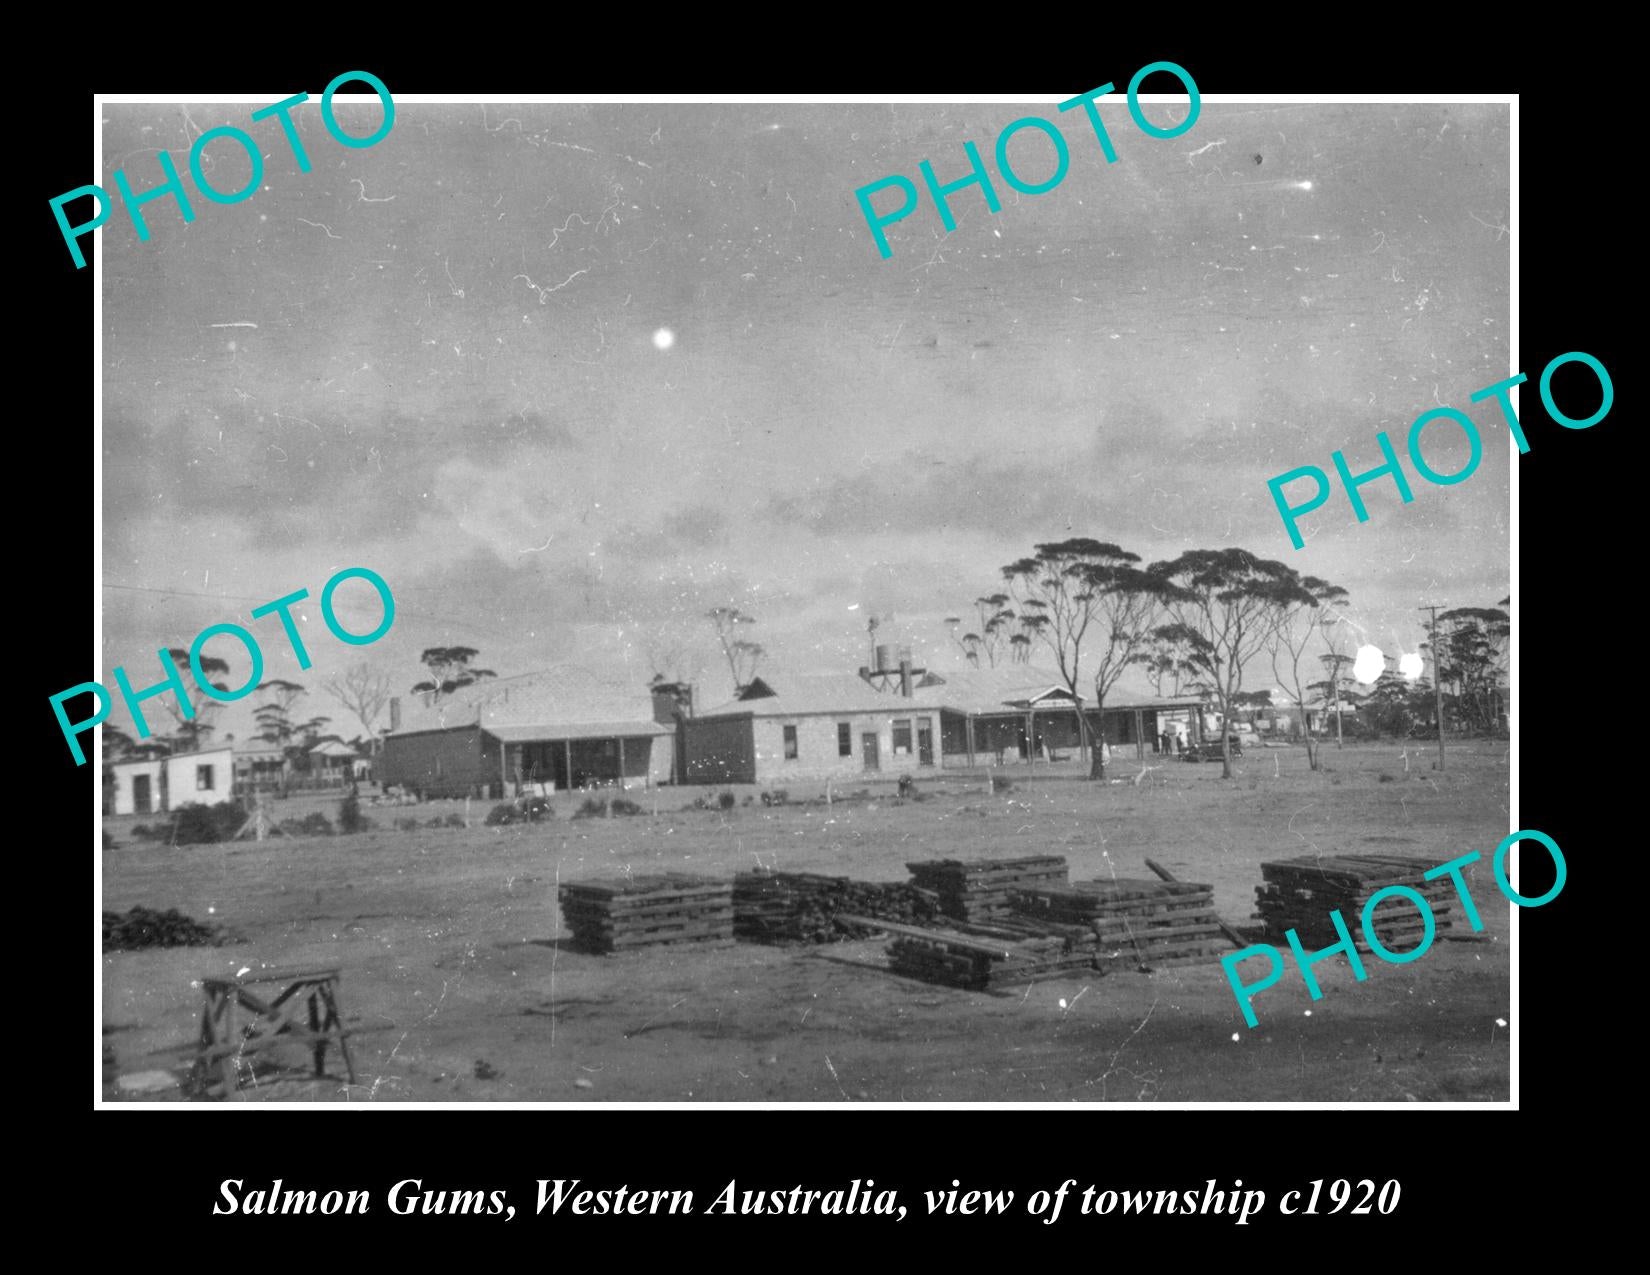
817 726
559 729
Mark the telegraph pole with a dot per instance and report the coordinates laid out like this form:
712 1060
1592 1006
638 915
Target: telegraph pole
1437 683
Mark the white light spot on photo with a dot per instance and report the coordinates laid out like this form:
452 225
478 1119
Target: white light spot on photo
1369 664
1410 665
663 339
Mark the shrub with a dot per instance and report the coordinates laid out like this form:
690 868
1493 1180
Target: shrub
1001 784
409 825
727 801
314 824
522 810
597 808
453 821
1385 778
776 797
143 832
197 825
350 818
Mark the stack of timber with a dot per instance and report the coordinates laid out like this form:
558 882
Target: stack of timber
1299 895
802 907
981 890
983 956
611 916
1135 922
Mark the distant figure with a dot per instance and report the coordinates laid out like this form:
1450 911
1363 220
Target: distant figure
1162 742
907 786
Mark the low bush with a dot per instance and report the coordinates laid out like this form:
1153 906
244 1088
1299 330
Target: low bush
522 810
1001 784
776 797
727 801
598 808
1385 778
454 821
195 824
143 832
314 824
350 818
411 825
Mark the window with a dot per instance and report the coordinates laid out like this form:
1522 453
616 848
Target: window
902 737
844 739
203 779
790 743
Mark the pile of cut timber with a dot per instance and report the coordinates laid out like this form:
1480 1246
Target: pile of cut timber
608 916
1135 922
801 907
1299 895
980 890
979 957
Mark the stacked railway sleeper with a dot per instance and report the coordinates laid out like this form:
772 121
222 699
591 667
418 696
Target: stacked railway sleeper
980 890
1136 922
643 911
1299 894
802 907
979 957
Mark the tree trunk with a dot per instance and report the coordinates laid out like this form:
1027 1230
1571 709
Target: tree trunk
1311 753
1097 753
1225 741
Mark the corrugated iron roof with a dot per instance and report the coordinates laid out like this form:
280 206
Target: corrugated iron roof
589 730
556 698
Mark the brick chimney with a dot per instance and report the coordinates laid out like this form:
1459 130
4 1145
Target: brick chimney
395 712
905 678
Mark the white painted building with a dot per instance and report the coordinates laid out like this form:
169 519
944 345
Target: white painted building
160 784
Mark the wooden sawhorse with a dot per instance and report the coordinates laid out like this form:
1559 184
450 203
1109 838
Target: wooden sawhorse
225 1038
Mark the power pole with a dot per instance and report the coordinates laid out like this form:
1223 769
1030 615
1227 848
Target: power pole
1437 683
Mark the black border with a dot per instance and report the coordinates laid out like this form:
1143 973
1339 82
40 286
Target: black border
154 1169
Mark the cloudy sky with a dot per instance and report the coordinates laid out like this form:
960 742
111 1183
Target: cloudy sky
441 358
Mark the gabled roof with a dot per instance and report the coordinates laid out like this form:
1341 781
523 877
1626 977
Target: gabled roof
150 761
798 694
546 703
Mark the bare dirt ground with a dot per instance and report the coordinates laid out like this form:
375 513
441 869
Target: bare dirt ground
452 969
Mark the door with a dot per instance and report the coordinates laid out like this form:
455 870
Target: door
925 742
140 794
868 746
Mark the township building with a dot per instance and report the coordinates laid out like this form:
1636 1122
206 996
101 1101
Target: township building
559 729
158 784
904 721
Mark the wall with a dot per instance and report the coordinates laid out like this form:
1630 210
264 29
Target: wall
719 750
181 789
446 763
817 755
124 774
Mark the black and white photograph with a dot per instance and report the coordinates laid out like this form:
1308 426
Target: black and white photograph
806 601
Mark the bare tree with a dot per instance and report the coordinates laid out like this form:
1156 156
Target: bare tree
742 655
450 670
990 636
1169 667
1082 592
194 715
1299 619
364 691
1224 604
